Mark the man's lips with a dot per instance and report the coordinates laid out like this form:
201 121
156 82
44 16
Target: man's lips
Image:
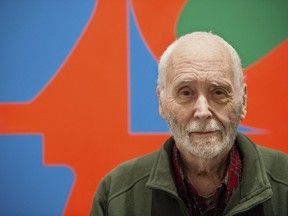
203 133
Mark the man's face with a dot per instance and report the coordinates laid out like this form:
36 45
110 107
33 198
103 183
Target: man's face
200 102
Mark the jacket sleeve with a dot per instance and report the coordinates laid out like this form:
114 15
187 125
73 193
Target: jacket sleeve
99 205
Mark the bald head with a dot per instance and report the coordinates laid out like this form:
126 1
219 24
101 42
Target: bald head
199 47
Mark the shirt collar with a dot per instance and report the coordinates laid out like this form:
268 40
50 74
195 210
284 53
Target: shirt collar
230 182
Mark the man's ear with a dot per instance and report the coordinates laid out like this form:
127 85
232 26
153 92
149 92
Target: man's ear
160 102
244 110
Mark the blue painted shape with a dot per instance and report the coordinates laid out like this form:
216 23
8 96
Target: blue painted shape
144 115
36 37
251 130
27 187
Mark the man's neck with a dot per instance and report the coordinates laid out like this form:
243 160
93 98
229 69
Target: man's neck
204 174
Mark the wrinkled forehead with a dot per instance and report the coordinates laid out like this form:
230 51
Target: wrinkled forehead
200 48
206 54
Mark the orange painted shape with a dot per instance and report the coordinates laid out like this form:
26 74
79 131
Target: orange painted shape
157 20
267 94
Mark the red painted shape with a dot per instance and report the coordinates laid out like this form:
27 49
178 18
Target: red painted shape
157 20
267 98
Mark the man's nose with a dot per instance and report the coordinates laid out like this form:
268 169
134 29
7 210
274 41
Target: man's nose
202 110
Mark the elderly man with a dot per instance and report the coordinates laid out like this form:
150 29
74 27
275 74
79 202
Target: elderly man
206 167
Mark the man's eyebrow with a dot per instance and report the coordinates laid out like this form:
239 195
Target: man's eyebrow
182 83
222 84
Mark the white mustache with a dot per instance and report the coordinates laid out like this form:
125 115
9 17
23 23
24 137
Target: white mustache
204 126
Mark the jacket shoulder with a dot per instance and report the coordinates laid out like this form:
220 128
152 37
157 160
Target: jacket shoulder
121 180
276 164
134 169
126 175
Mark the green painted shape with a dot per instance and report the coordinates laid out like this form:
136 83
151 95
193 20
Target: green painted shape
253 27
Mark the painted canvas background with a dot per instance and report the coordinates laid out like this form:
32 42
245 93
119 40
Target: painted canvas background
77 88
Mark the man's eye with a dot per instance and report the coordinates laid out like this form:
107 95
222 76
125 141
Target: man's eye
219 92
185 93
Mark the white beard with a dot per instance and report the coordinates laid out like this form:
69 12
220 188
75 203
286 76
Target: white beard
206 147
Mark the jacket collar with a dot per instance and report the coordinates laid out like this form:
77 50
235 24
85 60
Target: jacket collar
254 187
161 176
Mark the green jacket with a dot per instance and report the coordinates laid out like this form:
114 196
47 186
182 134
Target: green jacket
145 185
